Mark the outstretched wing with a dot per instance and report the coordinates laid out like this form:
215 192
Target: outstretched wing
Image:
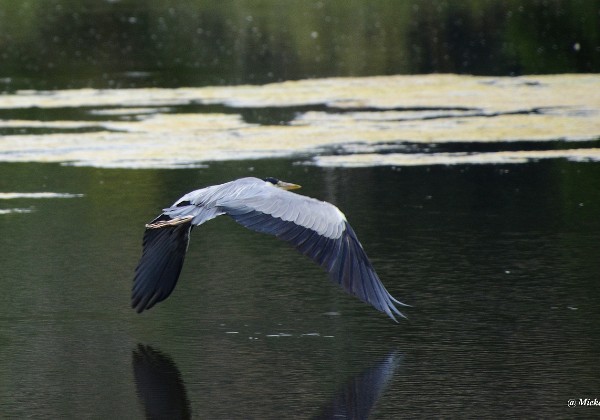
165 245
320 231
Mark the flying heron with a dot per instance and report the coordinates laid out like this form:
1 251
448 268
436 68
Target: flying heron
316 228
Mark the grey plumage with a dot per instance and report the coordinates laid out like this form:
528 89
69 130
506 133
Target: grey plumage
316 228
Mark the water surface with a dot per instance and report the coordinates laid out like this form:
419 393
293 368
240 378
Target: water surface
499 263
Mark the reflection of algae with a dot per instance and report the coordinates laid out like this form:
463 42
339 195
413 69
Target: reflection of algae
415 109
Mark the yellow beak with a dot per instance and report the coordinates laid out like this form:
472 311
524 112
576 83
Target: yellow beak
288 186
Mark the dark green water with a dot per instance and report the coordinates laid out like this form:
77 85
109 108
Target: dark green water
499 262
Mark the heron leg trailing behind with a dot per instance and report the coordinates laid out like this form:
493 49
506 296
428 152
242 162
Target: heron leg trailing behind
169 222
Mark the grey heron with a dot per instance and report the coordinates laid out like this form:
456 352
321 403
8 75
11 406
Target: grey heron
316 228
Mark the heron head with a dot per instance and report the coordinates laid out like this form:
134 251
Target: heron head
281 184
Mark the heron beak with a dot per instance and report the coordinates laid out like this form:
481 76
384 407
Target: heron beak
288 186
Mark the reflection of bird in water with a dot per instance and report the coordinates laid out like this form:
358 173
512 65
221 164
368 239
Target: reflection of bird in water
316 228
159 385
357 398
161 390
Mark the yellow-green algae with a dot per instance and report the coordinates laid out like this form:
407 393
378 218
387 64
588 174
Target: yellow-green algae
416 109
416 159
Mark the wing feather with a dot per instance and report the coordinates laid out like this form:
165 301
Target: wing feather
162 258
290 232
327 257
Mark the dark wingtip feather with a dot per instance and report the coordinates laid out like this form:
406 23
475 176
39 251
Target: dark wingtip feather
359 278
343 257
162 258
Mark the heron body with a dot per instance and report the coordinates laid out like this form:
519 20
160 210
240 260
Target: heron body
316 228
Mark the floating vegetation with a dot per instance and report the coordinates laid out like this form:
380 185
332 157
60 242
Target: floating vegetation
419 159
14 195
16 210
30 195
188 127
